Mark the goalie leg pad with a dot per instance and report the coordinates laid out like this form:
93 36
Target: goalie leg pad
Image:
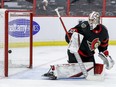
71 70
99 69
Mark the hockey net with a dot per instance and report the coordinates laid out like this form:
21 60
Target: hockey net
16 40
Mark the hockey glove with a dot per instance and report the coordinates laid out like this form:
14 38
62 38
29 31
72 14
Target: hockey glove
108 61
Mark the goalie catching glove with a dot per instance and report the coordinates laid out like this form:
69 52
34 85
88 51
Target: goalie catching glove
108 61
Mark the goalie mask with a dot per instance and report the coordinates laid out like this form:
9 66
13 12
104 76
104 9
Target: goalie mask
94 20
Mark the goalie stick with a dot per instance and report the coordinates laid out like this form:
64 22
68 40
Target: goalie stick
62 23
82 66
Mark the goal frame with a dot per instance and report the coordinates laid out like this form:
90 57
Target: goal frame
6 57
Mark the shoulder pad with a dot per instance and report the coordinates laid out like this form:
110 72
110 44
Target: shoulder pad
83 24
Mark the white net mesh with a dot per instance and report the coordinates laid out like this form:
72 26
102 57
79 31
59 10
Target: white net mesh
18 43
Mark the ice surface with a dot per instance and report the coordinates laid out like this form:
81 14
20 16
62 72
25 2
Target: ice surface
46 56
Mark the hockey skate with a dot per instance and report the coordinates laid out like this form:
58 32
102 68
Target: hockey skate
50 75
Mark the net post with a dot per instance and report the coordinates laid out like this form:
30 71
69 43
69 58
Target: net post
6 44
31 41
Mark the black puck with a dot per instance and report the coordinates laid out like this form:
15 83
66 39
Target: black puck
9 51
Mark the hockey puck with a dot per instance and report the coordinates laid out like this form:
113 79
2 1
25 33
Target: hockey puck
9 51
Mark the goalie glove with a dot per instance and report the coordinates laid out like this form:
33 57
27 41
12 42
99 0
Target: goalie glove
108 61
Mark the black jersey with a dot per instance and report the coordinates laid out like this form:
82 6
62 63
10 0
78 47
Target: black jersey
96 38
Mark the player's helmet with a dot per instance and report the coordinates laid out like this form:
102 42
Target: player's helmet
94 19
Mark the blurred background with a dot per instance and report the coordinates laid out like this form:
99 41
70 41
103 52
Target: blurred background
67 7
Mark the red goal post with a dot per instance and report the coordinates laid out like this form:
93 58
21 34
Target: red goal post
7 14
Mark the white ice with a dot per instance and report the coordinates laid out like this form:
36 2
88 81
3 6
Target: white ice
46 56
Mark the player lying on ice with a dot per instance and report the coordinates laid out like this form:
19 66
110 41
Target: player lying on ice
95 36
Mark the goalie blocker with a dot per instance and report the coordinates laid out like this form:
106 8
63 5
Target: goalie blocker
72 70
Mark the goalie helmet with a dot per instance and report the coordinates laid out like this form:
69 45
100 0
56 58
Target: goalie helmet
94 19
